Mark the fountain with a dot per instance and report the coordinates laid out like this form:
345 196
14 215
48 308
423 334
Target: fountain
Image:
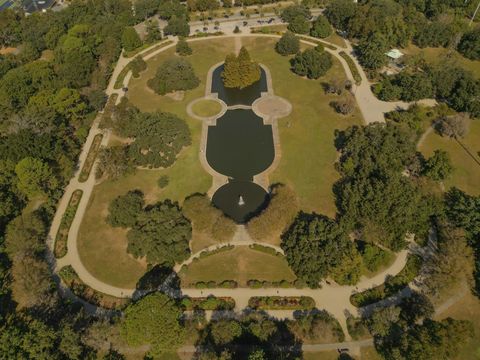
241 201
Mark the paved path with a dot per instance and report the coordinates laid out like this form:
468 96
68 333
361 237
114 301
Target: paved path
331 297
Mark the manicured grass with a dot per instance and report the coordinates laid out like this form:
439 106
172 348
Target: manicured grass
307 134
467 308
62 234
435 55
466 174
240 264
206 108
336 39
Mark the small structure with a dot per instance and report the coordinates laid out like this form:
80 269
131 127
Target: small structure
241 201
31 6
394 54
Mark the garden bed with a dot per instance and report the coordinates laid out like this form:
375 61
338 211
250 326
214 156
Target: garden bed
61 238
90 160
85 292
207 303
281 303
352 66
391 286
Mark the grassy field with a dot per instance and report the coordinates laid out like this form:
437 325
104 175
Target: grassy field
240 264
466 175
307 134
467 308
435 55
206 108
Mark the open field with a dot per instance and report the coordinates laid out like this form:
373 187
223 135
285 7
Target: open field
240 264
307 134
435 55
206 108
466 174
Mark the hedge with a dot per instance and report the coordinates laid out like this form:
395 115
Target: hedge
90 160
207 303
281 303
61 238
352 66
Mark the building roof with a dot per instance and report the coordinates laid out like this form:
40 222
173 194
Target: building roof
394 54
31 6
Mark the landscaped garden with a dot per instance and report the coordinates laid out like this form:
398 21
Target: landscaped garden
103 248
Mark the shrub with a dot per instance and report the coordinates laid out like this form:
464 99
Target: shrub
469 45
288 44
455 126
439 166
345 105
237 30
163 181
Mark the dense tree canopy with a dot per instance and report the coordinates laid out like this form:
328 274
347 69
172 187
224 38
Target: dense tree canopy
124 209
240 71
288 44
469 45
317 247
161 234
321 27
130 39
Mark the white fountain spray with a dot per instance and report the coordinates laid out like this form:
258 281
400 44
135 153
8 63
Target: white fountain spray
241 201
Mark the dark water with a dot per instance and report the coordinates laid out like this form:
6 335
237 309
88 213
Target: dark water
245 96
240 146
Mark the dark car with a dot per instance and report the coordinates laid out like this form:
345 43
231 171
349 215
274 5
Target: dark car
245 23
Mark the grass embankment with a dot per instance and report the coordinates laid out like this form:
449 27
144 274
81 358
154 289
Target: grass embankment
78 287
391 286
307 134
62 234
103 248
91 156
464 155
240 264
206 108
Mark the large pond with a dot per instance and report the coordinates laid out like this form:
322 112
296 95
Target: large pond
240 146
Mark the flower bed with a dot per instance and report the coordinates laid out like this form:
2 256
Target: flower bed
85 292
352 66
61 238
90 160
281 303
208 303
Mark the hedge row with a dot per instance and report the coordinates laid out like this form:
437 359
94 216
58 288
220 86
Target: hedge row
208 253
281 303
91 156
391 286
257 284
226 284
352 66
208 303
265 249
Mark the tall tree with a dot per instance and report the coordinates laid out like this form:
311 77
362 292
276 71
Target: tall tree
240 71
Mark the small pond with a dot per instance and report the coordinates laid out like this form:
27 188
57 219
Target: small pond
240 146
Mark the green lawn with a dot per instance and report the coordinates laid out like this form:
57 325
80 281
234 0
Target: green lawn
434 55
307 134
240 264
206 108
466 175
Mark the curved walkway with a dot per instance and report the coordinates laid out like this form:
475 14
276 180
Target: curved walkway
331 297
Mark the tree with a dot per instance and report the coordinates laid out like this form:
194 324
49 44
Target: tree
25 236
340 12
321 28
161 234
130 39
288 44
182 48
310 327
154 320
439 166
293 11
345 105
469 45
225 331
114 163
454 126
153 31
299 25
240 71
316 246
311 63
279 214
372 51
177 26
174 75
34 177
124 209
137 65
68 102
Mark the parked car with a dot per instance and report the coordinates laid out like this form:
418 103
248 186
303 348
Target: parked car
245 23
205 29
